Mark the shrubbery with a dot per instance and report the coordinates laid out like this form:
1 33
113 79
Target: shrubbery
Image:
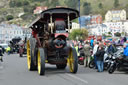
18 3
9 17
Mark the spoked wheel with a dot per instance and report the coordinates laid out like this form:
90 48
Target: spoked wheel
73 61
41 61
30 61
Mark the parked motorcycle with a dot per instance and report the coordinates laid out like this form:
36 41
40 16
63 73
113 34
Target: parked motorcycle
107 61
117 61
81 57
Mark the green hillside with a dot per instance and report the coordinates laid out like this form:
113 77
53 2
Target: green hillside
21 11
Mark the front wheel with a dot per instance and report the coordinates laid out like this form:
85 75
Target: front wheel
111 69
73 61
41 61
30 58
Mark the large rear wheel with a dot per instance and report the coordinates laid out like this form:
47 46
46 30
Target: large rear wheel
73 61
30 60
41 61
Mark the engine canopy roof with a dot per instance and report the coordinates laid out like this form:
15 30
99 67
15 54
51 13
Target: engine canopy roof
62 12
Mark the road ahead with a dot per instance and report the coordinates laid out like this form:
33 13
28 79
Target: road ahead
14 72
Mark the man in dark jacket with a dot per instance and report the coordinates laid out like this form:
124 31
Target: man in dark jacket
111 48
100 58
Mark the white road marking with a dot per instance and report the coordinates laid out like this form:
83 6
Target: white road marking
75 77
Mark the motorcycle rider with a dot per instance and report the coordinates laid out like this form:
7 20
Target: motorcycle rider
111 48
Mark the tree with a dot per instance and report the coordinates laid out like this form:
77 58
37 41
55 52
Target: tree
29 9
12 3
72 3
116 3
117 34
25 2
15 3
40 0
100 5
87 8
109 33
81 34
19 3
55 3
9 17
1 19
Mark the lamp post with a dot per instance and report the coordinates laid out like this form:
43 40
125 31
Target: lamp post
79 12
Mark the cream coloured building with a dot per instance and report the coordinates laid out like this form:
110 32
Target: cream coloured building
75 25
115 15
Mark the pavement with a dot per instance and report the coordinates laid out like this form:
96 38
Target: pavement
13 71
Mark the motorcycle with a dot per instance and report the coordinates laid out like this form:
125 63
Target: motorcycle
81 57
106 62
116 62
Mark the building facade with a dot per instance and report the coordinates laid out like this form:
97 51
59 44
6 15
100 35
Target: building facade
9 31
115 15
115 26
98 29
96 19
90 19
75 25
27 32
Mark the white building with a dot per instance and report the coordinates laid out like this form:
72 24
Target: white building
75 25
7 32
98 29
117 26
27 32
126 27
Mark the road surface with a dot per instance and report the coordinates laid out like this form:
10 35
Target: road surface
13 71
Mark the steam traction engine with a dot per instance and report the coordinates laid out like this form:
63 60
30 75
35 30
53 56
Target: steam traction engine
48 41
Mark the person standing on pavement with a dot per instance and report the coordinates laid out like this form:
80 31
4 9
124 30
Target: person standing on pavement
1 54
125 44
96 45
77 49
87 53
100 58
125 53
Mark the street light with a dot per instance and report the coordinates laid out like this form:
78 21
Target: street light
79 12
